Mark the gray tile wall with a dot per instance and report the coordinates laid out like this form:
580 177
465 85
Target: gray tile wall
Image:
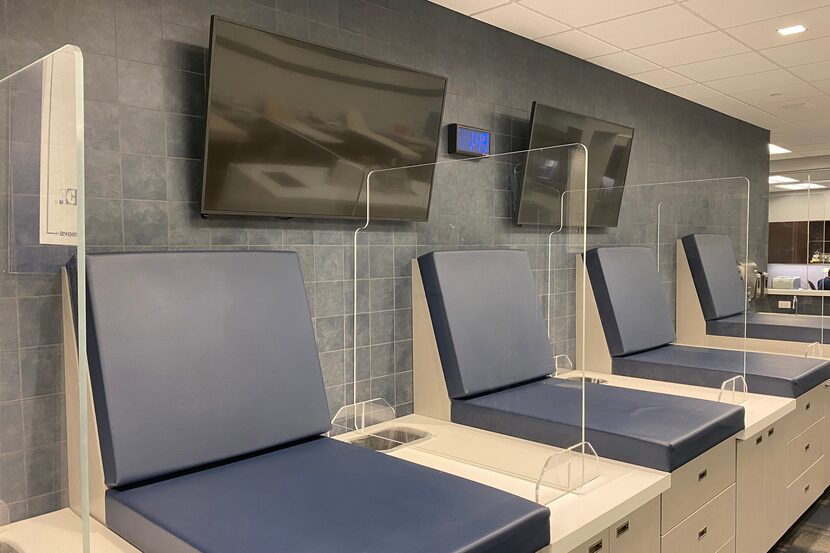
145 99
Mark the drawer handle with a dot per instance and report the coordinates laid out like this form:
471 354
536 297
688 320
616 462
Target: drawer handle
771 431
702 474
807 447
596 547
758 440
807 407
702 533
622 529
807 488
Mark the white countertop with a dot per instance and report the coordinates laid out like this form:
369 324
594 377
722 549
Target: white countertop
759 410
513 465
799 292
60 532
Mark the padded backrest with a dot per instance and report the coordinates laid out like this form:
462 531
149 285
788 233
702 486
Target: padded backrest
197 357
714 270
632 304
487 320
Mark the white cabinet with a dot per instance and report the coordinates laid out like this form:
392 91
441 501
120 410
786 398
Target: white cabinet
707 530
781 472
637 533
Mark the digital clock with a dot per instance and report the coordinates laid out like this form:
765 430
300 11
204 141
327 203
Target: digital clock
468 141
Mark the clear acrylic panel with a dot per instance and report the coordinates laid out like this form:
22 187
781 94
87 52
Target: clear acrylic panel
41 227
657 216
799 257
551 232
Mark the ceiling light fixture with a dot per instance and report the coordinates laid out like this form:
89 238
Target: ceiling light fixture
773 149
780 179
800 186
794 30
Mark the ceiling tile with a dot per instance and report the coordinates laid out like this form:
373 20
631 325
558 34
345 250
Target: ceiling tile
777 94
792 139
469 6
578 44
651 27
808 109
783 126
578 14
729 13
822 149
755 81
813 71
722 68
810 51
521 21
691 49
694 91
763 34
740 110
661 78
817 125
624 63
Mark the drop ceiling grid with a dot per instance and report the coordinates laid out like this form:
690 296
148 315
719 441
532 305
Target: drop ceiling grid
725 55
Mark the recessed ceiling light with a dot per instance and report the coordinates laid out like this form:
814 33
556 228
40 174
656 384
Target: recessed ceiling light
794 30
780 179
800 186
773 149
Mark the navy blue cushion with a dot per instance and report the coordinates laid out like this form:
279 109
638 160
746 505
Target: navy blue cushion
773 326
643 428
715 274
196 357
320 496
487 320
630 298
766 373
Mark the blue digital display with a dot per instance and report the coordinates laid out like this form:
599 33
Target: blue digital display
470 142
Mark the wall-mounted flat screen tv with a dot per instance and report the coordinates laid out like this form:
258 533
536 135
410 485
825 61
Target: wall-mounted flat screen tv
548 173
294 128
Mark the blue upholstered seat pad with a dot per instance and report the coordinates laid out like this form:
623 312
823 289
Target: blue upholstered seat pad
321 496
766 373
773 326
630 299
197 357
647 429
714 270
486 317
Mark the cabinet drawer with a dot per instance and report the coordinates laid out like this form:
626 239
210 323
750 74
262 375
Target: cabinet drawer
697 482
729 547
804 491
597 544
707 530
808 409
804 450
638 532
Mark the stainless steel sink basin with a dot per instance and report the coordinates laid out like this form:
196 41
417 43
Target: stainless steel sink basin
389 438
588 379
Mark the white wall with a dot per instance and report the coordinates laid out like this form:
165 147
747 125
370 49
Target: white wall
799 206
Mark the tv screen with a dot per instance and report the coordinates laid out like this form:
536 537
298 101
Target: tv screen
547 174
294 128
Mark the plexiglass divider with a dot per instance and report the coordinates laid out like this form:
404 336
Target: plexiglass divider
799 256
545 173
41 227
658 216
568 470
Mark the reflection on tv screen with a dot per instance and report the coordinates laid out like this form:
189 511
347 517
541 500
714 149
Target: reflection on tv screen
295 128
